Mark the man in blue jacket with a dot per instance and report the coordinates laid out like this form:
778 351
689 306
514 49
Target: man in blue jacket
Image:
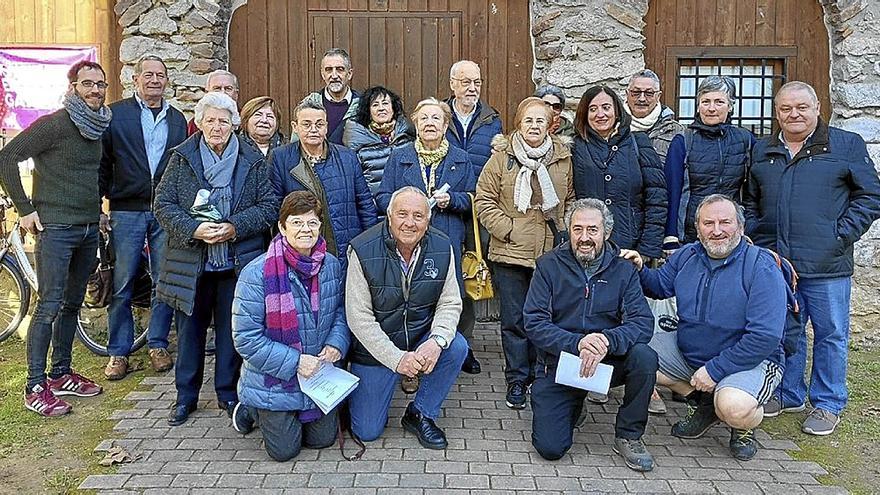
731 314
586 300
137 145
812 193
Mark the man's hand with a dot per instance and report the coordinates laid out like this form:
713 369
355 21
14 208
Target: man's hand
226 232
702 381
207 231
634 257
589 362
430 352
31 223
329 354
104 223
308 365
411 364
596 343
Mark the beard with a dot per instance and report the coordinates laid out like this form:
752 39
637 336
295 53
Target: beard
721 248
586 258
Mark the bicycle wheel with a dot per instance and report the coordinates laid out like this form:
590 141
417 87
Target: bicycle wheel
92 328
15 297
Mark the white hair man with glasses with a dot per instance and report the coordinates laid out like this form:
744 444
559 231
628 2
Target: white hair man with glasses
648 114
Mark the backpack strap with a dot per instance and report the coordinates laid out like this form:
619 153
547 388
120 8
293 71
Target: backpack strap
688 144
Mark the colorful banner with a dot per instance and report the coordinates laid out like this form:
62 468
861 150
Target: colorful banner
33 81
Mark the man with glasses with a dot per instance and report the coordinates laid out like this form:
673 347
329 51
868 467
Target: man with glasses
563 120
137 145
63 215
648 114
222 81
331 172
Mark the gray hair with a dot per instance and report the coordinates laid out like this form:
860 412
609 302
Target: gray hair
310 102
590 204
338 52
459 65
723 84
139 66
549 89
646 74
719 198
798 86
220 101
407 189
221 72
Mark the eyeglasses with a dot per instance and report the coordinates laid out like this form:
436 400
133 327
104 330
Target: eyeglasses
467 82
313 125
647 93
554 106
297 225
92 84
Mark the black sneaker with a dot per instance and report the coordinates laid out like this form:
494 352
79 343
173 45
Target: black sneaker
242 421
634 454
700 416
428 433
516 395
743 445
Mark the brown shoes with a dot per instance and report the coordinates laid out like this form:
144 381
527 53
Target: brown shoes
117 368
161 359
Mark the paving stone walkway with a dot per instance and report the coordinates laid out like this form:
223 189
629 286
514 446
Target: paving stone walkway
489 452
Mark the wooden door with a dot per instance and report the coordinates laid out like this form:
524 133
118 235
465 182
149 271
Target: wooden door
406 45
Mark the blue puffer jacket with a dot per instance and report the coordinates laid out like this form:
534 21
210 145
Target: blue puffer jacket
478 139
351 207
813 207
403 169
624 172
730 317
372 152
264 356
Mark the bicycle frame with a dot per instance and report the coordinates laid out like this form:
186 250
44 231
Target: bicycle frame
15 243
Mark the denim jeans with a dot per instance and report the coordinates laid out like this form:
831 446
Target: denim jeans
370 400
513 282
825 302
130 228
65 256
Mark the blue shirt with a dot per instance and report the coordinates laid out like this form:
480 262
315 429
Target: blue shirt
155 131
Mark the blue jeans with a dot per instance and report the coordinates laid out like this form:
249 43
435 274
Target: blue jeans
65 256
130 228
520 356
825 302
370 400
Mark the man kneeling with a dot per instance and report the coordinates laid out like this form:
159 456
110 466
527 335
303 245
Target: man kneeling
402 303
587 301
731 309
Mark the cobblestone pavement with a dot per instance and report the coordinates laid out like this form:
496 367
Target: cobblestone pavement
489 452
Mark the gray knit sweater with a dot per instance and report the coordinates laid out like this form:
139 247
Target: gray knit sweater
65 171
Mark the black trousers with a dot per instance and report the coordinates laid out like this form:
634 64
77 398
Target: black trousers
555 408
284 435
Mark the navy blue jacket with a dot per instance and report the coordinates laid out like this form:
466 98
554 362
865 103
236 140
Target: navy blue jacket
124 177
403 169
477 141
562 305
351 207
730 317
813 207
624 172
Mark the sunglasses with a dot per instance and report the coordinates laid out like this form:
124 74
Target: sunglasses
554 106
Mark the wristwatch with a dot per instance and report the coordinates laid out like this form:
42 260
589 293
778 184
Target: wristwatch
443 343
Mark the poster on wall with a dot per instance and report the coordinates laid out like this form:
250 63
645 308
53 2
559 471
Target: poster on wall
33 81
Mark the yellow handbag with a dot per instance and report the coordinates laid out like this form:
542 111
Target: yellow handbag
477 279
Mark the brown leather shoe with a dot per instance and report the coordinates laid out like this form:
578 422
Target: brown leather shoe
161 359
117 368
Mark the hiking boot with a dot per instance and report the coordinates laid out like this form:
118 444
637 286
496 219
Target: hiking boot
700 416
242 421
597 398
42 401
743 445
428 433
634 454
774 407
161 360
74 384
470 365
820 422
409 385
656 406
516 395
116 368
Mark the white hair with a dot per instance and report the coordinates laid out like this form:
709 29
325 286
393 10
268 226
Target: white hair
220 101
221 72
405 190
459 65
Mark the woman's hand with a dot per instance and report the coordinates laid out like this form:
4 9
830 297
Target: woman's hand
329 354
442 199
207 231
308 365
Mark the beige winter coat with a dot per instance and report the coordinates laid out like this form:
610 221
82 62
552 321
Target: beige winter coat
519 238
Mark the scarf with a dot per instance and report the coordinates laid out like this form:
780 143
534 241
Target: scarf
91 124
384 131
645 123
282 319
533 160
218 173
429 160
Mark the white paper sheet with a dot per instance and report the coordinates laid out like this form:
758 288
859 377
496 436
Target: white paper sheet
328 386
568 372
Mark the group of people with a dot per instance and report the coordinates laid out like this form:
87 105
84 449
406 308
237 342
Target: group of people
341 245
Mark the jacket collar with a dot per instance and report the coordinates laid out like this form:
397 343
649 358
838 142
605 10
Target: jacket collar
484 114
247 158
817 143
717 130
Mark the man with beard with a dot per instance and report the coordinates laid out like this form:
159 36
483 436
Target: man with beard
337 97
726 356
63 215
586 300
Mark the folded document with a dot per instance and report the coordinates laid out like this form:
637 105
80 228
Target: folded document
568 372
329 386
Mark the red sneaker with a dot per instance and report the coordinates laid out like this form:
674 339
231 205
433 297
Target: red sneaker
41 401
74 384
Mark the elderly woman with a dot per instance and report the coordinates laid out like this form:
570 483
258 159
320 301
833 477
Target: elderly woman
288 319
259 117
378 128
711 157
621 168
553 97
216 203
521 198
442 171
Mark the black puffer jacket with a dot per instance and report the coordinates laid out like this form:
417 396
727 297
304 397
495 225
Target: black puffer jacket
371 151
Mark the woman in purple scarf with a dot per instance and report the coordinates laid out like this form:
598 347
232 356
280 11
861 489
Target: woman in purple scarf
288 319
